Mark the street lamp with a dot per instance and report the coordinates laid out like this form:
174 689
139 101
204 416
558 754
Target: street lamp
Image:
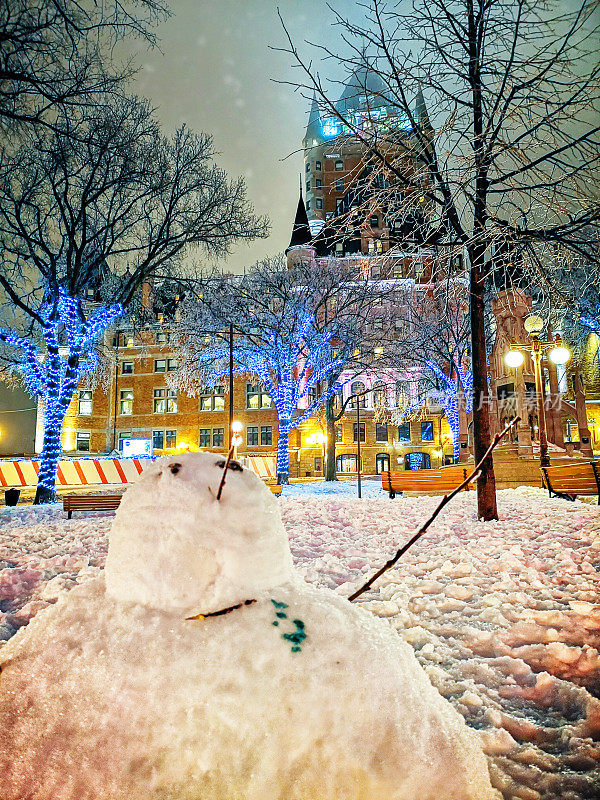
558 354
236 439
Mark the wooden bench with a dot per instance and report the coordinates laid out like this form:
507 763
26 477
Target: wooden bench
90 502
424 480
569 480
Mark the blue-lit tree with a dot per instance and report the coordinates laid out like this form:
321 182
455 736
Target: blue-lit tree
53 367
276 339
456 388
89 211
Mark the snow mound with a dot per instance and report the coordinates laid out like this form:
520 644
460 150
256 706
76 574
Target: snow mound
102 699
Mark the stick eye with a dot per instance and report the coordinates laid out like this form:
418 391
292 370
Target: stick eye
174 468
220 464
233 465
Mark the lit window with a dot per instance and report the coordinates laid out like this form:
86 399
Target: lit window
85 403
427 431
129 342
160 365
82 441
330 127
256 397
204 440
347 462
339 433
318 166
212 399
358 389
339 166
159 401
319 203
171 438
171 401
217 437
266 435
252 435
127 368
126 402
158 440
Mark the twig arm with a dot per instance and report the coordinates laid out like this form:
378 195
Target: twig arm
444 501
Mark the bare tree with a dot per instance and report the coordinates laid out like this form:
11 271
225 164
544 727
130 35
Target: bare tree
90 218
508 150
304 330
57 53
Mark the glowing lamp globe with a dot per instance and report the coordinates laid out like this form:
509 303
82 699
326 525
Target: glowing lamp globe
514 358
559 355
237 426
534 325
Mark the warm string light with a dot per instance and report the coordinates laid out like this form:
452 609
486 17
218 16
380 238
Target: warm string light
53 366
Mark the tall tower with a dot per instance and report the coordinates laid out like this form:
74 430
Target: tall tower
337 169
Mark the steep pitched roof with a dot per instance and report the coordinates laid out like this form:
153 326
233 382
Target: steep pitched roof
313 129
301 234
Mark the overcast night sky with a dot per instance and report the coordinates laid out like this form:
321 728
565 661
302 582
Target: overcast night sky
215 72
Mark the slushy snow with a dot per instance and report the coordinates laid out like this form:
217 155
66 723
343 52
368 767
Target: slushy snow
503 616
126 688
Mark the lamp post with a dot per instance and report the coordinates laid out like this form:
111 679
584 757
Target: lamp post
558 354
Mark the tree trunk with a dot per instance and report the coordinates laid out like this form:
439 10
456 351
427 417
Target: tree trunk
54 415
283 453
56 402
330 470
486 484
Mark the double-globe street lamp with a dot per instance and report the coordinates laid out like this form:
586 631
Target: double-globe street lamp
557 353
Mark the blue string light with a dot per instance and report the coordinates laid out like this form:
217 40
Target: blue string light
53 366
449 400
291 362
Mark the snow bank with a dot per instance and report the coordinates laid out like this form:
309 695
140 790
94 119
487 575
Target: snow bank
503 616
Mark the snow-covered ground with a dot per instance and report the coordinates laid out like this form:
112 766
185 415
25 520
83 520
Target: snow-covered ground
501 615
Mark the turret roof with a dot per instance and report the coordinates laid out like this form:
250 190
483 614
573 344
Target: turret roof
301 234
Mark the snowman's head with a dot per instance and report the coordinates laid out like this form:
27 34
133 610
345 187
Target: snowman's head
174 546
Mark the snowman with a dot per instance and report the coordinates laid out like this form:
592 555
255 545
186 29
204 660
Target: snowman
201 667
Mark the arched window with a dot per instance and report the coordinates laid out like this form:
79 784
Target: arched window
358 388
382 463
